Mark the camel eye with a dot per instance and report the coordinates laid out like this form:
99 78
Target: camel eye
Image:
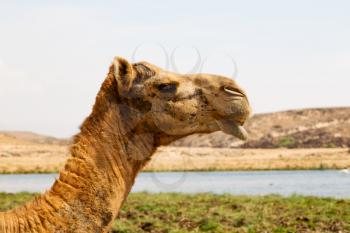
167 87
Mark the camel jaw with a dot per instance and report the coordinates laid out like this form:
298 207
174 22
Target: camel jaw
233 128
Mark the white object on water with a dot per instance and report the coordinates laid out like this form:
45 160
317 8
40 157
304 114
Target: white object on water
345 171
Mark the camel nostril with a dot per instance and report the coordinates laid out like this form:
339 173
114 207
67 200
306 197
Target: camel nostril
233 91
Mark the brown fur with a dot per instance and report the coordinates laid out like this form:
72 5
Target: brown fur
129 120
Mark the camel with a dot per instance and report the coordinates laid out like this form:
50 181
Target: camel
138 108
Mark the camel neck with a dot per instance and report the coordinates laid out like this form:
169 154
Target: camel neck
114 144
112 147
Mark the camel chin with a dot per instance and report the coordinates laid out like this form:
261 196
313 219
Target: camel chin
233 128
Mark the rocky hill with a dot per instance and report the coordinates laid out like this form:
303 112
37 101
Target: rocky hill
308 128
19 137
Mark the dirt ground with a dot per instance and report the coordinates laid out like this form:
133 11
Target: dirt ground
27 158
175 158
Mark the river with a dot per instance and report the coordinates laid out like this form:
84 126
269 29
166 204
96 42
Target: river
323 183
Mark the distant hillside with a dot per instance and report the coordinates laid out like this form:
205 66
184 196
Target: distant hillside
308 128
19 137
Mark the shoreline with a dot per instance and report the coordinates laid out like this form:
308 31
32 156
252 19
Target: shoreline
179 171
25 159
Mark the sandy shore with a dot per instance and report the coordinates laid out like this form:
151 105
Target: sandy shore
51 158
173 158
32 158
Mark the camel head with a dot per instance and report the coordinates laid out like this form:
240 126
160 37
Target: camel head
182 104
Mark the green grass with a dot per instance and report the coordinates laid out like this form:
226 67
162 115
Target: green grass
9 201
286 142
175 213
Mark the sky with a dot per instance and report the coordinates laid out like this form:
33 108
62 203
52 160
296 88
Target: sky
55 55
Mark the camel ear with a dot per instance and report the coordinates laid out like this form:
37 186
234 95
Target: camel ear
123 73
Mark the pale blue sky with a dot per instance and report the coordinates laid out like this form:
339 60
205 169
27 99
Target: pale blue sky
54 55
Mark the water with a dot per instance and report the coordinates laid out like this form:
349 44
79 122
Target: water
325 183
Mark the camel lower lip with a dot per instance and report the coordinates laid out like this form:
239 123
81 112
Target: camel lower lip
233 128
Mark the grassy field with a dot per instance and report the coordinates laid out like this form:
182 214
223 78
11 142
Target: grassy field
175 213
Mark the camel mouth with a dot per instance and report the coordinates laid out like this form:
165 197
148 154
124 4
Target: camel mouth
233 128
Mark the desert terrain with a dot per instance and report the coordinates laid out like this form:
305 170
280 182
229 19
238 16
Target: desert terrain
303 139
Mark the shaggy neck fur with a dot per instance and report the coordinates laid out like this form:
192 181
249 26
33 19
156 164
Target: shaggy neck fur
115 142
